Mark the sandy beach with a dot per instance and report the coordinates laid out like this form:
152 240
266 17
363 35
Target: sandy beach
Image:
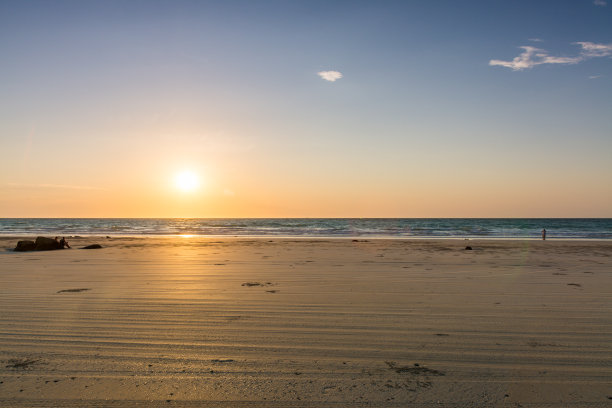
229 322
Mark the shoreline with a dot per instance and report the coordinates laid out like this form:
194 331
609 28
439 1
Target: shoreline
327 228
304 237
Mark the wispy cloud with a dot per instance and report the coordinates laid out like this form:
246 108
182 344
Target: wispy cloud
330 76
536 39
55 186
532 56
590 50
595 76
602 3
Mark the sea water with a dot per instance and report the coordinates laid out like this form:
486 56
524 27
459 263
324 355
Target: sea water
557 228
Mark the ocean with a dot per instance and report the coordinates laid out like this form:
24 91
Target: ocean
509 228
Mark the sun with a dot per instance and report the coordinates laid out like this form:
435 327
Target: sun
186 181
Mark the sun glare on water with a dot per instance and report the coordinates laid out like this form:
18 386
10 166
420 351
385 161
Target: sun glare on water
186 181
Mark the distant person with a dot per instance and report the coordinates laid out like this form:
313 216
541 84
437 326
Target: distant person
544 234
63 243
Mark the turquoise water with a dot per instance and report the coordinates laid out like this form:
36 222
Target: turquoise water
566 228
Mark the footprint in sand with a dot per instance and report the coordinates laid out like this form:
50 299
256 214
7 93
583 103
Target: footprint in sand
251 284
73 290
415 369
22 363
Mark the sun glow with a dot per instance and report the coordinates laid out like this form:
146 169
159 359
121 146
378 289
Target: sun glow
186 181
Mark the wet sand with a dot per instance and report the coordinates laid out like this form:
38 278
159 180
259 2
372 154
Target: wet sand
224 322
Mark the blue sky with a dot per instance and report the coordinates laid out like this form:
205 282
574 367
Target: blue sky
432 94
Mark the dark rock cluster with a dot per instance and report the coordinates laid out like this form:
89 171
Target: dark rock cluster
47 244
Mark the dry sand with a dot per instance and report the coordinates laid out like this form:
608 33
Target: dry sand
222 322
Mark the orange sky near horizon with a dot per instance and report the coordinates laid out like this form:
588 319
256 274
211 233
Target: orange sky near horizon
147 194
133 175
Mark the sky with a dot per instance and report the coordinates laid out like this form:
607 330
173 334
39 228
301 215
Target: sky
306 108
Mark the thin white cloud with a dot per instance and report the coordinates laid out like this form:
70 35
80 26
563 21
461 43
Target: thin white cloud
57 186
602 3
592 50
532 56
595 76
547 59
536 39
524 60
330 76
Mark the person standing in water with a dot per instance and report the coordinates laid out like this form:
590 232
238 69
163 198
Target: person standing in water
544 234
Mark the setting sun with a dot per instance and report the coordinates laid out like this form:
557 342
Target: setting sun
186 181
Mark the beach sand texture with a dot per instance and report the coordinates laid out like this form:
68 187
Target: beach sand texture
223 322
